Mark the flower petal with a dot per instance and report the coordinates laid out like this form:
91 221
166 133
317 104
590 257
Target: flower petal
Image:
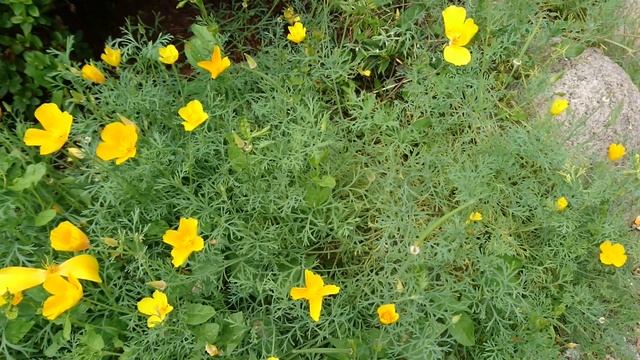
298 293
65 295
147 306
315 307
68 237
16 279
313 280
83 267
453 17
330 290
469 30
457 55
180 255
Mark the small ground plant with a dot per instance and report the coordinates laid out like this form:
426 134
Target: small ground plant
345 190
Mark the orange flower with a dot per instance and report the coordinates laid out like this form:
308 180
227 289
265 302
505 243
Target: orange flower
118 141
387 314
217 64
93 74
314 291
67 237
185 240
57 126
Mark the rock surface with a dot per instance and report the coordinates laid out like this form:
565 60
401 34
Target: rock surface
604 104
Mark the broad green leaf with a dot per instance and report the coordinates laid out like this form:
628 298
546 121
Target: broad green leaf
325 181
93 340
462 329
207 333
316 195
44 217
31 176
233 331
195 314
17 329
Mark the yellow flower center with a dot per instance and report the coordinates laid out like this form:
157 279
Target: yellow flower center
52 269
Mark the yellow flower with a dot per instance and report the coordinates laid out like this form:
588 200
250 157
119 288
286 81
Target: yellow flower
558 106
212 350
562 203
387 314
616 152
185 240
118 142
273 358
297 32
65 294
364 72
612 254
67 237
314 291
291 16
217 64
193 115
157 307
93 74
111 56
459 31
475 216
14 280
168 54
57 126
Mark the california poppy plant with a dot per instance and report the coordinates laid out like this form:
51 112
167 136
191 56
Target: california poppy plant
217 64
57 126
118 141
562 203
612 254
14 280
93 74
314 291
387 314
168 54
65 294
193 115
185 240
111 56
616 152
459 30
156 307
558 106
297 33
68 237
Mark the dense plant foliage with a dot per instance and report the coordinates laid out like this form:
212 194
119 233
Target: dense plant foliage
357 153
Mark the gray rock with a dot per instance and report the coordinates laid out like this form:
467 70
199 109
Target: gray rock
604 105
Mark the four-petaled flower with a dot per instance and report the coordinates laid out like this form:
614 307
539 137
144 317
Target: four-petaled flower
562 203
612 254
16 279
387 314
111 56
157 307
217 64
57 126
459 31
616 152
558 106
93 74
168 54
118 141
314 291
185 240
65 294
68 237
297 33
193 115
475 216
